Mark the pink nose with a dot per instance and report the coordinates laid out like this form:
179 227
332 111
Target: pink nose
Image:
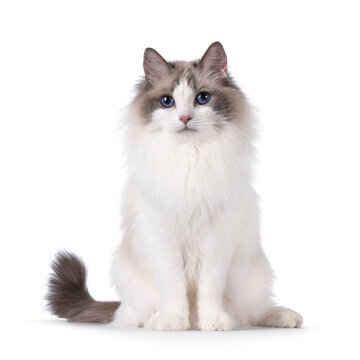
185 118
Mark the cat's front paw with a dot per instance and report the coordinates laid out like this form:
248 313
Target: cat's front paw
220 321
168 321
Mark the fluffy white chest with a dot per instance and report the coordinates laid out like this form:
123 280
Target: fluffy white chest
187 181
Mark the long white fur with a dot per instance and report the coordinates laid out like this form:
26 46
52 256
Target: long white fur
191 254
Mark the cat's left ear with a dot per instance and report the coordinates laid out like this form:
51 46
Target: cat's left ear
155 66
215 59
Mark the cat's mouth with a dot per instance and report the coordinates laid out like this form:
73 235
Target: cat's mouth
186 129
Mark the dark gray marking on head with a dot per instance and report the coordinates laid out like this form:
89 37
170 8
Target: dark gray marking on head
222 103
208 74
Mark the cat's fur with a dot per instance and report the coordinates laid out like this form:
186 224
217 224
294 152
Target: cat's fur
191 253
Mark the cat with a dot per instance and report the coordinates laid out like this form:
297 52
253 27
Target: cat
191 255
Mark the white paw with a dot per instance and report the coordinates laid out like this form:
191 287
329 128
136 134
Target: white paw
291 318
168 321
220 321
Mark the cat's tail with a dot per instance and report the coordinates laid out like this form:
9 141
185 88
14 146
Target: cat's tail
68 296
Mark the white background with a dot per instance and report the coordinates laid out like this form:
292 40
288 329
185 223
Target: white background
67 70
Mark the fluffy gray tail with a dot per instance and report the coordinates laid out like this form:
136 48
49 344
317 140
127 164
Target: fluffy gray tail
68 296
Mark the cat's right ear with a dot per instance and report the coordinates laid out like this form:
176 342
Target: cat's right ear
155 66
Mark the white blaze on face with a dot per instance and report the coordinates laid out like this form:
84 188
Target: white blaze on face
169 118
184 99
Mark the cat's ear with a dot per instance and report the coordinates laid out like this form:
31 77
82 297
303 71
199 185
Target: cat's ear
155 66
214 59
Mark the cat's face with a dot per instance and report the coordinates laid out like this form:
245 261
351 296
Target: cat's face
188 99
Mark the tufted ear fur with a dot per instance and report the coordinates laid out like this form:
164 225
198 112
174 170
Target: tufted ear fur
155 66
214 59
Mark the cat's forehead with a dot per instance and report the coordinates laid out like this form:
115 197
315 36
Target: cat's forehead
185 72
180 73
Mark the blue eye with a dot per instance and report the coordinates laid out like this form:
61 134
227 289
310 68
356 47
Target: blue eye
203 98
167 101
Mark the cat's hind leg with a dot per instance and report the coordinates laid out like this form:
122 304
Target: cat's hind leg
249 291
136 289
278 316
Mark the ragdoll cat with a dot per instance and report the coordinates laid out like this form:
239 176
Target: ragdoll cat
191 255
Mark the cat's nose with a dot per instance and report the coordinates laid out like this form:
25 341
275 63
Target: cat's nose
185 118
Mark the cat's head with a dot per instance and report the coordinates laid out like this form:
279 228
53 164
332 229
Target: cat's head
188 99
